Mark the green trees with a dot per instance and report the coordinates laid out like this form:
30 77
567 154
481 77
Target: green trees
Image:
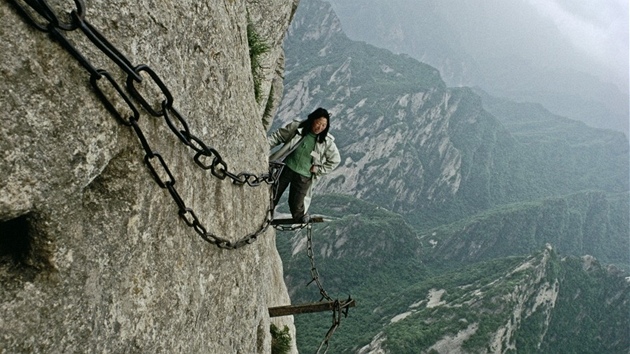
280 340
257 48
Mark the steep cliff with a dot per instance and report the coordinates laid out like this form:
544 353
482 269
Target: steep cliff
93 254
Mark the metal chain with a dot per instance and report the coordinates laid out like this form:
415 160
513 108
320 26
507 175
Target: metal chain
311 257
336 318
41 16
339 307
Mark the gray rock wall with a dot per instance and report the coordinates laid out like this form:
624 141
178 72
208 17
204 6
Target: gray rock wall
93 255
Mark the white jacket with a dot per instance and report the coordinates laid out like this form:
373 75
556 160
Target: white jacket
325 155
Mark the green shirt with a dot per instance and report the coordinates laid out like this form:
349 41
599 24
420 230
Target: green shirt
300 160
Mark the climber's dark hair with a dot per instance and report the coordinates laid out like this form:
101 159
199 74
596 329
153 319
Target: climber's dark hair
308 123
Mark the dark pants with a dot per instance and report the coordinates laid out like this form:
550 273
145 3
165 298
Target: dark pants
299 187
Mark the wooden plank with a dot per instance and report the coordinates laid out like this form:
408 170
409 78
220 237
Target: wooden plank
293 221
307 308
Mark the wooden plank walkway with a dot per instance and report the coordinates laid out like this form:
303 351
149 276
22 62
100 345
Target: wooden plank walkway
308 308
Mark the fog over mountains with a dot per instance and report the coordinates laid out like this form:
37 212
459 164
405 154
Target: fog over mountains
572 58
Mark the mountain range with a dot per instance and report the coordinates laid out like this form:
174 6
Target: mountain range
510 49
459 220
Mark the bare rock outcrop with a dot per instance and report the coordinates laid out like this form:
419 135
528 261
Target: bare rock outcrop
94 257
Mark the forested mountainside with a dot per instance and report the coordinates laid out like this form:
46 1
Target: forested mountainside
411 301
459 222
592 223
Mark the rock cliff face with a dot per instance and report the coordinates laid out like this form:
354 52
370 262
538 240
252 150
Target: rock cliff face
93 255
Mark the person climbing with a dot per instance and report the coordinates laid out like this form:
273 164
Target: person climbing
308 153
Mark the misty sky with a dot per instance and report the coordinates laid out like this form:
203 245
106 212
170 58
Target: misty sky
563 54
532 29
598 27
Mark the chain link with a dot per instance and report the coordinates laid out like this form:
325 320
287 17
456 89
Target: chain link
40 15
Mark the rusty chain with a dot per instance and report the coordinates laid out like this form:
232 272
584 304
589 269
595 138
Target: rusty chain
40 15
